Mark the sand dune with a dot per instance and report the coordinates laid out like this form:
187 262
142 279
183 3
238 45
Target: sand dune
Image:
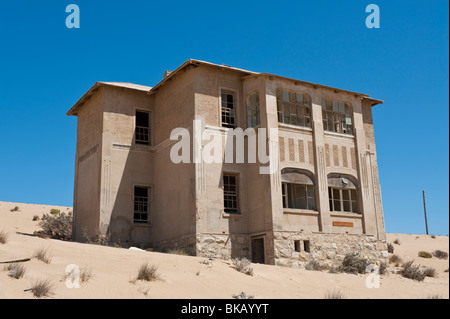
186 277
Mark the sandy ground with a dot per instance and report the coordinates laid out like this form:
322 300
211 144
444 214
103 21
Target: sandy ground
183 277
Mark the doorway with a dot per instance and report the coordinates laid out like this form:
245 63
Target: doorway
258 250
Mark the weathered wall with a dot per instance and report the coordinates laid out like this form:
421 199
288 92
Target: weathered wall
87 167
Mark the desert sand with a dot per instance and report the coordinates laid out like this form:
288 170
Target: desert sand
114 270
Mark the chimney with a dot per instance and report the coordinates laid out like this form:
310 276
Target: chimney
167 73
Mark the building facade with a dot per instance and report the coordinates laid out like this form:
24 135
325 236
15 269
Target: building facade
321 201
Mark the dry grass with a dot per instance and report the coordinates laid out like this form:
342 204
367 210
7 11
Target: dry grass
42 254
353 264
440 254
16 270
335 294
3 237
395 259
430 272
41 288
425 254
397 242
177 251
148 272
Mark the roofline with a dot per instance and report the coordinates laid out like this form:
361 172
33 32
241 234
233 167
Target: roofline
252 73
86 96
196 63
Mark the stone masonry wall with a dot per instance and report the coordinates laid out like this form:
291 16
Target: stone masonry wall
328 249
185 243
223 246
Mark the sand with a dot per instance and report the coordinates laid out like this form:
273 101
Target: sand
114 270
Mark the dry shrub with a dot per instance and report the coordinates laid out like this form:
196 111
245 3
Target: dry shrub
148 272
395 259
243 295
353 264
397 242
177 251
15 209
425 254
3 237
412 272
35 218
242 265
58 226
390 248
43 255
430 272
440 254
16 270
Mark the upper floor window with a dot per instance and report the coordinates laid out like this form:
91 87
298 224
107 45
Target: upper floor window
228 109
253 110
342 194
293 108
298 190
230 193
337 117
142 131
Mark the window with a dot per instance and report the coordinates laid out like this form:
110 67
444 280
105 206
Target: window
297 245
230 194
228 109
253 110
297 190
142 132
141 204
337 117
306 246
293 108
342 194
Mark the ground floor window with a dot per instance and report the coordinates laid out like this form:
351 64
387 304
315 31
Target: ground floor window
141 204
298 196
230 193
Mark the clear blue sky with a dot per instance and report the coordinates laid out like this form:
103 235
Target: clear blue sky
45 68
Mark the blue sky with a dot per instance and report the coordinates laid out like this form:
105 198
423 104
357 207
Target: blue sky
45 68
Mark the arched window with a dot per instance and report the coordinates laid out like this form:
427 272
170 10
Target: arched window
298 189
342 194
293 108
337 117
253 110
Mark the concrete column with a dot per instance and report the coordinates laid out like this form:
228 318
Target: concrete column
320 166
365 183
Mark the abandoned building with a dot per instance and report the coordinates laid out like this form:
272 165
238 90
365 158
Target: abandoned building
322 202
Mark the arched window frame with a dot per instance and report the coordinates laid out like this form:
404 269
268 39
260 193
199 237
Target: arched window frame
298 189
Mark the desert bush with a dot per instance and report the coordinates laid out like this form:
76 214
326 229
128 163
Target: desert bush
335 294
243 295
395 259
440 254
242 265
390 248
412 272
425 254
314 265
333 270
85 274
35 218
353 264
397 242
433 236
16 270
15 209
382 269
41 288
57 226
42 254
55 211
430 272
148 272
3 237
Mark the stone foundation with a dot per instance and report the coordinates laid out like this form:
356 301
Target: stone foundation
328 249
223 246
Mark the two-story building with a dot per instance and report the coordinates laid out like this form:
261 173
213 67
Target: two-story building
322 201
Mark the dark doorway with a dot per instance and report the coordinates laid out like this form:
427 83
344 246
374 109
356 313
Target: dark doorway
258 250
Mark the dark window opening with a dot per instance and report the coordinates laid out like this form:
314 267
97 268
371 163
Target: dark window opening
306 246
230 194
298 196
142 133
342 200
228 110
141 204
297 245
